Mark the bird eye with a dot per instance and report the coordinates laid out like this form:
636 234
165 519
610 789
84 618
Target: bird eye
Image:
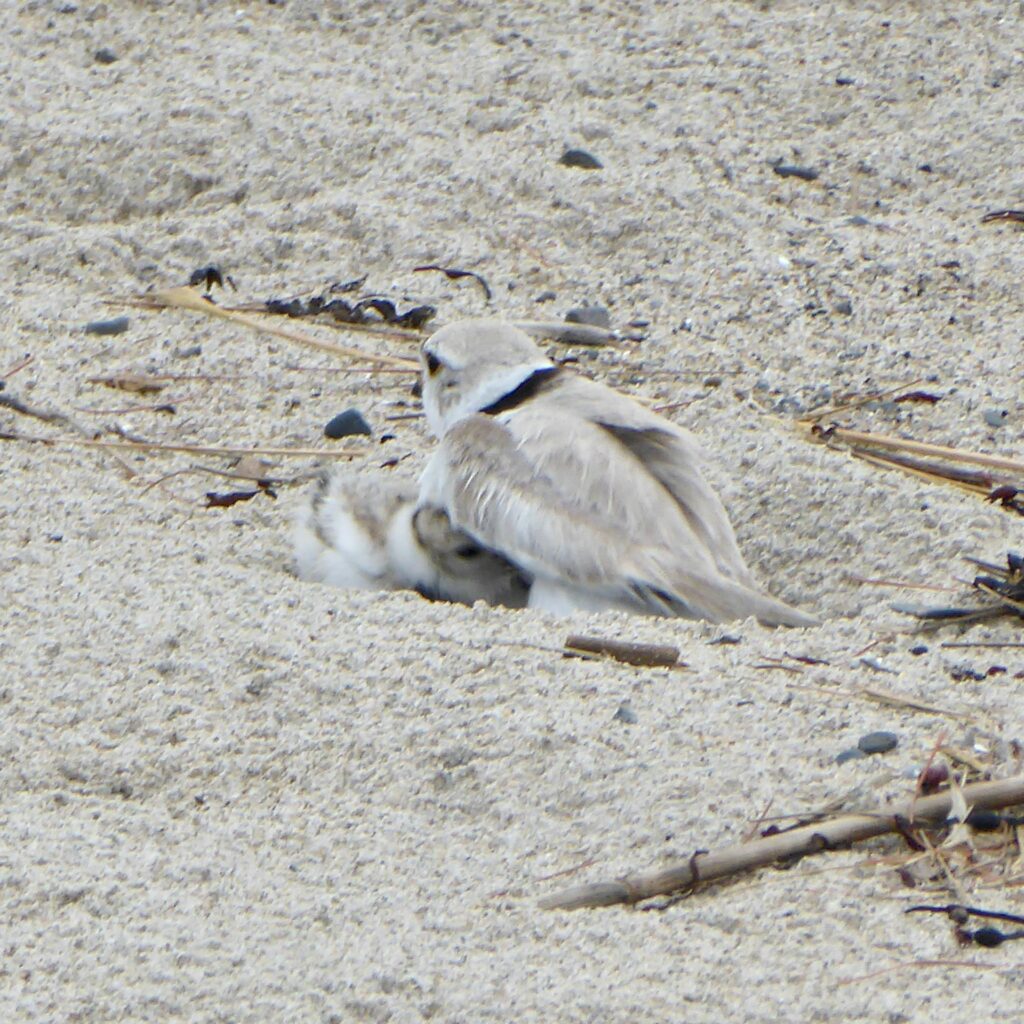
433 363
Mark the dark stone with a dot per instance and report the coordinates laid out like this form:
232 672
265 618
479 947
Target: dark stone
918 650
792 171
580 158
116 326
878 742
853 754
105 55
596 316
347 423
844 306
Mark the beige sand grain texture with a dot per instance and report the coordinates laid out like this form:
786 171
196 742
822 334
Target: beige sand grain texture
229 796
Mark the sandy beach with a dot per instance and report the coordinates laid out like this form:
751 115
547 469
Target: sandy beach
227 795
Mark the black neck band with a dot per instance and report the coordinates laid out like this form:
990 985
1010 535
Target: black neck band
527 390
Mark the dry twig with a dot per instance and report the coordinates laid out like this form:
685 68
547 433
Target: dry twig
815 838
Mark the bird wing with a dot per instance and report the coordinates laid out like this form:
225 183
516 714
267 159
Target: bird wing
564 499
674 457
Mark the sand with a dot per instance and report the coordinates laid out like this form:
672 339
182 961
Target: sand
228 795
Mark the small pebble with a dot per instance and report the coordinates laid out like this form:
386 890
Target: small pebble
853 754
844 306
918 650
105 55
626 714
580 158
995 417
546 297
190 352
932 777
878 742
347 423
791 171
116 326
596 316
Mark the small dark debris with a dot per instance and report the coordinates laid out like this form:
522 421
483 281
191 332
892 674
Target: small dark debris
1015 216
210 276
105 55
964 673
367 311
595 316
347 423
843 80
189 353
919 650
793 171
580 158
546 297
725 640
984 820
925 168
924 397
226 500
844 307
454 274
118 325
878 742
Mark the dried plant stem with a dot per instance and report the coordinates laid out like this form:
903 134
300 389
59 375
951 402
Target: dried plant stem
867 440
815 838
186 298
195 449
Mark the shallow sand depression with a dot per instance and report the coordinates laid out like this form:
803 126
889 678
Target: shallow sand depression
228 795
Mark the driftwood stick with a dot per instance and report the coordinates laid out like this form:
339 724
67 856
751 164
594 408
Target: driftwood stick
822 835
649 655
186 298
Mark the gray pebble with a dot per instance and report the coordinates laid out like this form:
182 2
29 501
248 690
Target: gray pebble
580 158
596 316
626 714
789 404
116 326
190 352
878 742
995 417
844 306
105 55
853 754
546 297
347 423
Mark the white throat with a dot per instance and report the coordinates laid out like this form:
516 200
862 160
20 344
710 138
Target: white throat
484 392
